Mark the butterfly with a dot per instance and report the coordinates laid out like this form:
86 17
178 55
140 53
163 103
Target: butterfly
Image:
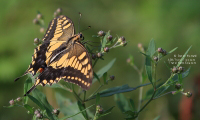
61 56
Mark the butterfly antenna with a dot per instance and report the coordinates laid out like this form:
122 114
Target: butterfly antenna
20 76
86 28
79 22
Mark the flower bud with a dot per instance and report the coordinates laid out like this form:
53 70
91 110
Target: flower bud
12 102
106 49
174 70
109 37
101 33
39 16
140 47
38 115
128 60
160 50
42 30
180 69
35 21
19 99
122 38
123 43
173 92
164 52
99 55
155 58
36 112
56 111
59 10
98 107
189 94
94 56
55 14
28 112
178 86
112 77
100 111
36 40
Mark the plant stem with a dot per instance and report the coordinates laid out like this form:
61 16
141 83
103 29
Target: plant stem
141 88
147 102
162 95
94 92
172 75
95 62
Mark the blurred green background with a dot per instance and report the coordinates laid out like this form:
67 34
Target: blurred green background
171 23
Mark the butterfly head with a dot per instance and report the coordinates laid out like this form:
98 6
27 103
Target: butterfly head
81 37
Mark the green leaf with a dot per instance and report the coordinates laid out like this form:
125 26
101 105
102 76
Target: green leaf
181 60
29 108
151 48
97 99
96 76
107 111
150 52
104 41
81 108
131 115
27 86
76 113
122 102
174 80
132 105
68 108
172 50
148 69
103 70
131 59
36 102
117 89
9 106
157 118
58 86
180 78
43 100
105 78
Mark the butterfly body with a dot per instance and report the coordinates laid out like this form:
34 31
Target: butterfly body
61 56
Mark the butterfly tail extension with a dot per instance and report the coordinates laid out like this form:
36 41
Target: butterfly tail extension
33 87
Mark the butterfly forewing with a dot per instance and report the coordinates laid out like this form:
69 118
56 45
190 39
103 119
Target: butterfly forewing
60 29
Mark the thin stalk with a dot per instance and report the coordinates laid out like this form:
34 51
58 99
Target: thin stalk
84 95
166 81
141 88
147 102
94 92
162 95
95 62
76 96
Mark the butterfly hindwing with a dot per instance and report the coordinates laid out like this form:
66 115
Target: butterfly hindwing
71 64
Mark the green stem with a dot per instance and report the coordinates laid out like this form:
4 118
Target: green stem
64 118
94 92
162 95
172 75
84 95
147 102
95 62
76 96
